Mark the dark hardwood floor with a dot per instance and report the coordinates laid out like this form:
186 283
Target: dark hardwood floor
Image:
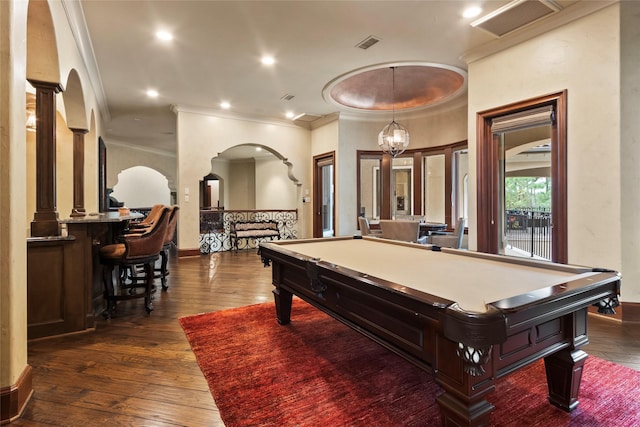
138 370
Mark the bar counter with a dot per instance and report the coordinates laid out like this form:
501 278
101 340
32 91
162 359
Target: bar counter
64 276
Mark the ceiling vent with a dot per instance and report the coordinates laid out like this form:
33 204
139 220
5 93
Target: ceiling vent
287 97
368 42
514 15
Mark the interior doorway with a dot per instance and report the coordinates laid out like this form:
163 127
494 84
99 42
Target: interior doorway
212 192
323 195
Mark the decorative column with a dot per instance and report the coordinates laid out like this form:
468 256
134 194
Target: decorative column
78 172
45 219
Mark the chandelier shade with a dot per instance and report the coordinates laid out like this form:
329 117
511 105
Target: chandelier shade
393 138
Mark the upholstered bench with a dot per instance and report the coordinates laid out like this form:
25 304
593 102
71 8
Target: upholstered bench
252 230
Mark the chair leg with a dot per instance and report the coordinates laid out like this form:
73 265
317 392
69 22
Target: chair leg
148 305
109 295
164 257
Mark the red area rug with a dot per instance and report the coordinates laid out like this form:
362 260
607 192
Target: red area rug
318 372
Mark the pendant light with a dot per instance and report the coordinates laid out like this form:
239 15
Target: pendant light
394 138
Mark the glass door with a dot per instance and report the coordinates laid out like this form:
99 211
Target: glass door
525 184
324 199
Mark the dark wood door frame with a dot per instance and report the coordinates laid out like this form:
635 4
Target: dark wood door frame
487 175
319 162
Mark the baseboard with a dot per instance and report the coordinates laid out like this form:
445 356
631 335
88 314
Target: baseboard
631 312
14 398
188 252
625 312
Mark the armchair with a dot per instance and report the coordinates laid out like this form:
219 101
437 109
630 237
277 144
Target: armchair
408 231
365 230
449 240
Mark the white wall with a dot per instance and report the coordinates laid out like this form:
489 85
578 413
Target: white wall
582 57
141 187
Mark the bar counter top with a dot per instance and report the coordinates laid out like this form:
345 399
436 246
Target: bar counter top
102 217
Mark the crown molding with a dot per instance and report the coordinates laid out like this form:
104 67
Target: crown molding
137 147
212 112
78 25
572 13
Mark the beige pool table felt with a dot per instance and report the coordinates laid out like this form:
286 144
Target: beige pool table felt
470 281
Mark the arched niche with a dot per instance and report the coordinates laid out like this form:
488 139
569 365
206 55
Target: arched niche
74 106
255 177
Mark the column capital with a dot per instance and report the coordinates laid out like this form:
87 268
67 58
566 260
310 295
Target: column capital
52 86
79 130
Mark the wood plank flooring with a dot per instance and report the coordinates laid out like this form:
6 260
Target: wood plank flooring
137 370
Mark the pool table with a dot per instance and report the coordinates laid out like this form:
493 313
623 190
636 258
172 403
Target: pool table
467 317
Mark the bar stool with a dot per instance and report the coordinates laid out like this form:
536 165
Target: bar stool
148 221
143 249
168 240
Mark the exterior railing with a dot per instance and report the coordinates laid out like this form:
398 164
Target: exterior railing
529 230
215 225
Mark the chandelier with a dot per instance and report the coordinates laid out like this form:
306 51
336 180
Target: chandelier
393 138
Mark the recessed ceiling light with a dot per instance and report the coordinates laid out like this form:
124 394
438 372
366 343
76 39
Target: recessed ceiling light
152 93
471 12
268 60
225 105
164 36
290 114
258 148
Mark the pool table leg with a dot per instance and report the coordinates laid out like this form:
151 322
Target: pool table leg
455 412
283 300
564 373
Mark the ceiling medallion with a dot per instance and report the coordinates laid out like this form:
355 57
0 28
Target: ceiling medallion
417 85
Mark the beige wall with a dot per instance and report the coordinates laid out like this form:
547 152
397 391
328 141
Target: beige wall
242 184
202 135
325 139
582 57
17 194
429 129
13 247
630 149
274 189
122 156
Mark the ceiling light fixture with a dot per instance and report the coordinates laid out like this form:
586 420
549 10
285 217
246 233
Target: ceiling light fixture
471 12
152 93
164 36
290 114
268 60
225 105
393 138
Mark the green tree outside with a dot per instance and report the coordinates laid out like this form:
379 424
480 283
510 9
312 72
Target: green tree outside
528 192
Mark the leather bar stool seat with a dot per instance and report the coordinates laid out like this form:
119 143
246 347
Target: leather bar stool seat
141 249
